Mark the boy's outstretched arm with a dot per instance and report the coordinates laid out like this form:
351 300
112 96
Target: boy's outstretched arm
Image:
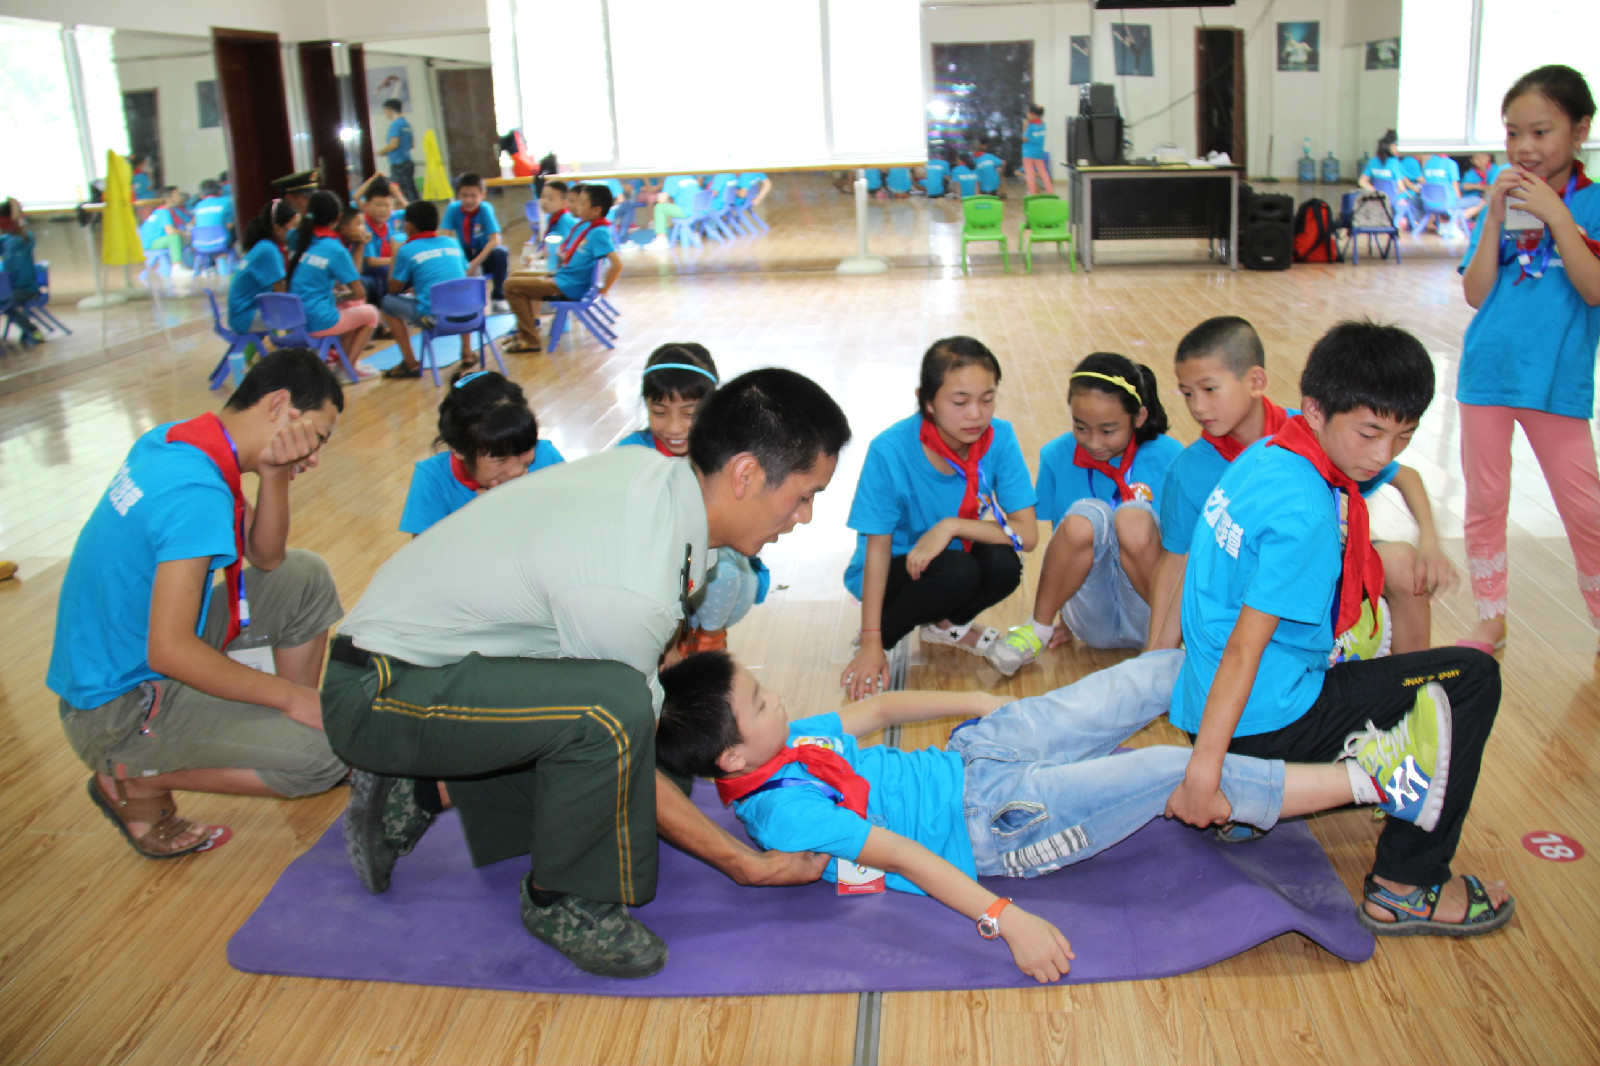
1435 573
1038 947
895 708
1199 799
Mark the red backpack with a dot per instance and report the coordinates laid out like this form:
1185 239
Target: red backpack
1313 234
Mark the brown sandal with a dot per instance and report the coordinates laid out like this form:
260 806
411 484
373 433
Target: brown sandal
159 812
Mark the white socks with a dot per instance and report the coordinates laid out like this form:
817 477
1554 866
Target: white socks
1044 631
1362 787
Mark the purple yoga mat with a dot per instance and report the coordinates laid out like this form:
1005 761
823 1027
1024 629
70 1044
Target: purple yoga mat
1167 900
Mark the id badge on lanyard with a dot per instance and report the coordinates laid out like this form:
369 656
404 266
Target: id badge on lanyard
989 507
1534 246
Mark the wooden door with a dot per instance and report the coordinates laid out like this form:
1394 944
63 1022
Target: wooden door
255 116
319 84
466 107
1219 113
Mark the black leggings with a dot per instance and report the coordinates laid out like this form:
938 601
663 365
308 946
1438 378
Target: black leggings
1384 691
956 585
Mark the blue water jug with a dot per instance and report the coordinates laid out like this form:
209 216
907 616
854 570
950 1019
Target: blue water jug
1330 170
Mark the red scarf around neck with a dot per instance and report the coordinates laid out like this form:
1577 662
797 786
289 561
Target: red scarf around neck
469 225
824 764
663 449
379 230
1271 422
575 239
425 234
207 434
550 223
967 468
459 471
324 231
1362 576
1118 474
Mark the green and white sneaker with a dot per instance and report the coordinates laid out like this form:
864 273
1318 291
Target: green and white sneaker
1370 638
1411 762
1015 650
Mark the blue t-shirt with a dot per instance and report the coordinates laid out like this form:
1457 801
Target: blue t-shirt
722 181
682 189
422 264
1441 170
400 130
1062 484
640 437
374 246
966 180
1411 167
213 211
484 224
901 494
324 264
435 492
988 169
154 227
16 251
263 267
938 172
874 179
750 179
1268 538
1384 169
898 179
917 794
594 244
1033 140
1193 475
1532 342
166 502
1474 176
562 225
141 185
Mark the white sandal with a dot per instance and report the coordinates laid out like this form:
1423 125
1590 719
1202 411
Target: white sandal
951 637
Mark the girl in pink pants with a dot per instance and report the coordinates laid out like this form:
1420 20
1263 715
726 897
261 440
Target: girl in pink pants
1533 273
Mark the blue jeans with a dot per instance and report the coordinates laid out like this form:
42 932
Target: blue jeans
1106 611
730 591
1043 789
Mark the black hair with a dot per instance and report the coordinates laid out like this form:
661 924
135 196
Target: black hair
1229 338
557 184
423 214
136 158
1036 109
223 177
1561 85
599 196
379 187
5 208
276 213
469 180
322 210
1386 145
659 385
393 104
486 416
1364 364
209 187
697 723
1136 374
310 381
951 353
784 419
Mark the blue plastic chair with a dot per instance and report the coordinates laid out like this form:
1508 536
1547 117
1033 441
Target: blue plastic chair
723 206
38 308
745 212
8 301
285 318
212 251
237 343
159 260
530 211
457 310
688 229
583 310
1439 203
1390 234
603 306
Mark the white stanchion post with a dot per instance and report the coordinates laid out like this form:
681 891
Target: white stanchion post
862 262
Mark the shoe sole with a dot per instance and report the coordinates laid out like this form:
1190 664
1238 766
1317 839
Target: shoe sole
1418 927
363 830
1005 669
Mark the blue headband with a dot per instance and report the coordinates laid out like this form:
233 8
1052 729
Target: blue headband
683 366
474 376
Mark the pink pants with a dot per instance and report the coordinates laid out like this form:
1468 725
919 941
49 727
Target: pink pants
352 316
1565 448
1035 168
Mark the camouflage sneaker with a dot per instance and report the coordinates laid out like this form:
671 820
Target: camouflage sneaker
602 938
381 823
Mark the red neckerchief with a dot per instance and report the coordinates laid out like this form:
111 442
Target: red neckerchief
968 467
1577 180
9 225
1117 474
323 231
381 231
425 234
469 221
459 471
569 247
663 449
551 223
1229 448
207 434
1362 576
1583 181
822 763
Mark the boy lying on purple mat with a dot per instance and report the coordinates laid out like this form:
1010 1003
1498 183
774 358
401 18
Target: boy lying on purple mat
1025 787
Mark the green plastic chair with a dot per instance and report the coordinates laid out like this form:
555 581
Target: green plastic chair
1046 217
981 217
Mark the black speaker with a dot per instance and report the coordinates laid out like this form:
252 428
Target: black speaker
1268 208
1097 141
1097 100
1266 245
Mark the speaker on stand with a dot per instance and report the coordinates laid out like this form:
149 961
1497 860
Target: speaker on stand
1266 231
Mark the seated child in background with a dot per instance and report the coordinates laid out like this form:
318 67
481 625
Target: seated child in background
264 268
213 210
324 276
1222 375
943 505
718 182
1022 790
1033 154
162 230
1476 181
754 187
965 177
1268 586
382 233
1444 172
677 377
990 168
583 248
558 221
898 182
16 258
874 178
472 221
492 437
422 261
143 187
935 176
676 201
1097 485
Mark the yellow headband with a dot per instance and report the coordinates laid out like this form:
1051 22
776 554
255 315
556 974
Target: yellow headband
1121 383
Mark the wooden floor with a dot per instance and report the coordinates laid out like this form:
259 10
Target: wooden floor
105 957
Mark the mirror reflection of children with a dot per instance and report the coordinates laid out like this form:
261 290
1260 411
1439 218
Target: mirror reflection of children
1033 164
265 267
1476 181
162 229
16 259
423 260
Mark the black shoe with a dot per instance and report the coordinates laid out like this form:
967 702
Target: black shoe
601 938
381 823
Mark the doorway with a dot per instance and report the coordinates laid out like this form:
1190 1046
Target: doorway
141 111
1219 92
466 102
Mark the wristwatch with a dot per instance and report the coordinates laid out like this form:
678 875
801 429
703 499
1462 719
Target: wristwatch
989 924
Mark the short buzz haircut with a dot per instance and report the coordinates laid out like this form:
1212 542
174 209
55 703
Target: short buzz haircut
300 370
423 214
469 180
1229 338
784 419
697 723
393 104
599 196
1364 364
558 185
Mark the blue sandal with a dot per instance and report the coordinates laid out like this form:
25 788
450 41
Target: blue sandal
1237 833
1413 914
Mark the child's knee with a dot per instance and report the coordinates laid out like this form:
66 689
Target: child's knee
1399 567
1137 531
1077 533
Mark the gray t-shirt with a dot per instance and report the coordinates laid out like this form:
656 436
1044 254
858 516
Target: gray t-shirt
584 560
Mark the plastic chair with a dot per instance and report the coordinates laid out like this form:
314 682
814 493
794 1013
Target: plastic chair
1390 233
212 250
688 229
607 310
982 216
744 215
237 342
457 311
38 308
159 260
1046 217
285 318
1439 204
7 306
1400 204
584 310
